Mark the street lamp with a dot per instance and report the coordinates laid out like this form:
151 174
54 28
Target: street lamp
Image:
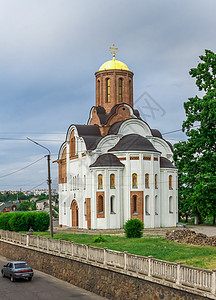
49 184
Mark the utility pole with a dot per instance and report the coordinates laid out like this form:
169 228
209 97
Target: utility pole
49 184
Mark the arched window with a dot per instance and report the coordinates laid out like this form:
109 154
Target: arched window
156 183
108 90
98 91
112 203
112 181
146 180
170 182
120 89
134 204
156 205
100 181
170 204
72 144
147 205
134 180
100 204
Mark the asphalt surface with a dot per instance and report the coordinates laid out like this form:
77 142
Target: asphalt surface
42 287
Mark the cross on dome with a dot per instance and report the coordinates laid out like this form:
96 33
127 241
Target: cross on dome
113 51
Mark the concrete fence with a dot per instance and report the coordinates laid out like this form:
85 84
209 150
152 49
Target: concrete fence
182 275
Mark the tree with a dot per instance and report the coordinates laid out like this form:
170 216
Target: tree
23 206
196 157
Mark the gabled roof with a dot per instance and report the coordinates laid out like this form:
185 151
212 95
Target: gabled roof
107 160
134 142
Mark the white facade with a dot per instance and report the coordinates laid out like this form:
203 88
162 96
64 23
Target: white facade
84 204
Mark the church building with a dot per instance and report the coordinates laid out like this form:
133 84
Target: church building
116 167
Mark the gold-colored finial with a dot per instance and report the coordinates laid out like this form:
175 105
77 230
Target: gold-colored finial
113 50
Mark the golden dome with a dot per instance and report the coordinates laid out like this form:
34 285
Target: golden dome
113 65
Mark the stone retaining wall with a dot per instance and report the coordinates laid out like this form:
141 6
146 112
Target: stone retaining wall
102 281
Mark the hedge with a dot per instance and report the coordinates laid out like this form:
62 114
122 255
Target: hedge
22 221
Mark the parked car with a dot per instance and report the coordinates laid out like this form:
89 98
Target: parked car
17 269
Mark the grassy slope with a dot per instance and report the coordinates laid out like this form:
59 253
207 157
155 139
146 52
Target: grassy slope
197 256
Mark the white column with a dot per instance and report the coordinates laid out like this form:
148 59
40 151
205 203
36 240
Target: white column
152 193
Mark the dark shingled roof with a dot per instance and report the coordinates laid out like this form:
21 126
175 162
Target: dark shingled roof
166 163
156 133
107 160
91 135
115 127
134 142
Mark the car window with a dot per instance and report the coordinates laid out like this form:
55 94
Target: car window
21 265
10 265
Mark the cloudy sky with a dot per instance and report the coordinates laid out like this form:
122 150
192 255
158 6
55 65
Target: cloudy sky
50 50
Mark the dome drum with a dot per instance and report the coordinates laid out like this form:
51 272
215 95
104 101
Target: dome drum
114 87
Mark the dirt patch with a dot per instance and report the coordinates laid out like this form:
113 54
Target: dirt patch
188 236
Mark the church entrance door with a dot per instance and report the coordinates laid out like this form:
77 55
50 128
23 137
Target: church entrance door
74 211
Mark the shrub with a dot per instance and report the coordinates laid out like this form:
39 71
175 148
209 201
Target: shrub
22 221
42 220
99 239
4 221
133 228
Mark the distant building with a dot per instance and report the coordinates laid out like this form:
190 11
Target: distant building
8 206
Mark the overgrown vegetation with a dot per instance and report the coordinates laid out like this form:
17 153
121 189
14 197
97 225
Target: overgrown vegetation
133 228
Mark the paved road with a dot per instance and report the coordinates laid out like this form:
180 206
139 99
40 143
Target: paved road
42 287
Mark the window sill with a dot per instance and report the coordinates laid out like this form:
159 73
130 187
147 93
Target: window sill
171 212
101 212
135 214
112 213
147 214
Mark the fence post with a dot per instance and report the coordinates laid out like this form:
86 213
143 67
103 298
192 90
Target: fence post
213 289
125 260
27 240
47 244
149 265
178 273
38 241
105 255
87 252
72 248
59 245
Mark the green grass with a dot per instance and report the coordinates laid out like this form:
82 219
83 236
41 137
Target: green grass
197 256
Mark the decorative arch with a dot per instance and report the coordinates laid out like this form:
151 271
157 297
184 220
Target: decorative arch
75 215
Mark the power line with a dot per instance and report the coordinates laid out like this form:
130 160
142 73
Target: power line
22 168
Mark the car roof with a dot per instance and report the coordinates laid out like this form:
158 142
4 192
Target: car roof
18 262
